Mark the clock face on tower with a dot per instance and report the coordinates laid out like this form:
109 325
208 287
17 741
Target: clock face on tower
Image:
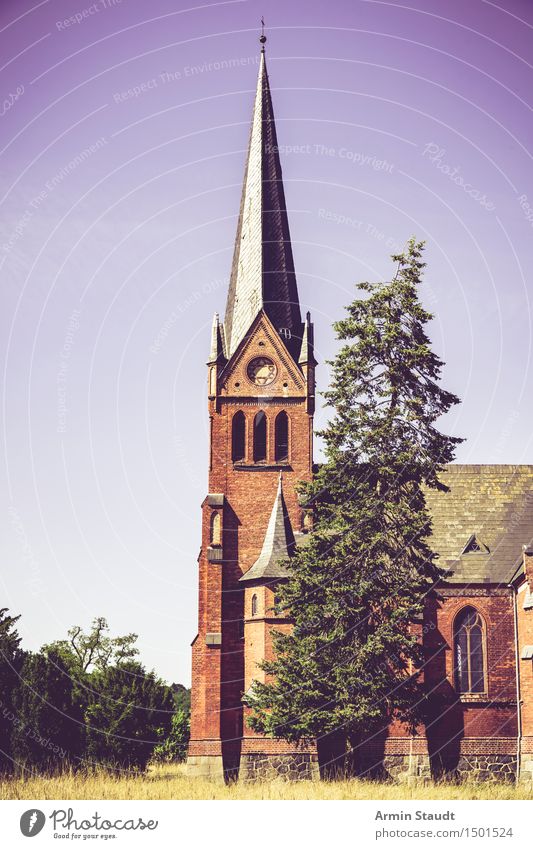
262 371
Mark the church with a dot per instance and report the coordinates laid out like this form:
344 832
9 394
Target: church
477 630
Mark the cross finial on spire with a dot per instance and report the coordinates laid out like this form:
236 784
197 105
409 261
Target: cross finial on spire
262 37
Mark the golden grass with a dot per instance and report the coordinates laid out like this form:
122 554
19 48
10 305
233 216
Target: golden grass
171 782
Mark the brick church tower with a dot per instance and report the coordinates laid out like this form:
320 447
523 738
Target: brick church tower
261 404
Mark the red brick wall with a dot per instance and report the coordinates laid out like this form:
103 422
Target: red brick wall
471 716
219 672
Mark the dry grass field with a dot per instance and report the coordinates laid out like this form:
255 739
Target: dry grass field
171 782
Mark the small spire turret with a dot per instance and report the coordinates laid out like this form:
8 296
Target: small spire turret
278 545
217 340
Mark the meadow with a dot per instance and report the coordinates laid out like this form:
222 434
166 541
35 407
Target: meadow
171 782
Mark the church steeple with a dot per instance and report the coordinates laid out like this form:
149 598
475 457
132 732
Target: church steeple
262 274
260 404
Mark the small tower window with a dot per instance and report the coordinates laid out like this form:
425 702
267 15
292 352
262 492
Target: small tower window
469 651
254 605
282 437
260 437
238 437
216 529
212 381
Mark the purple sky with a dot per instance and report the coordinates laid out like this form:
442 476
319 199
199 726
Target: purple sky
122 145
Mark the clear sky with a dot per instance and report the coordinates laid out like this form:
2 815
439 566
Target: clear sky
123 129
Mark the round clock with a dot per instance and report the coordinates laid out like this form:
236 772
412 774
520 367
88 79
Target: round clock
261 371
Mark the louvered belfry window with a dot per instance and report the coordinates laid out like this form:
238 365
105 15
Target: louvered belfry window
260 437
238 437
282 437
469 652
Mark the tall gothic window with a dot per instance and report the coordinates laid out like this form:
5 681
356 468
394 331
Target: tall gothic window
216 529
260 437
469 651
282 437
238 437
254 605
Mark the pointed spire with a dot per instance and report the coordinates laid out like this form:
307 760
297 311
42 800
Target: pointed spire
278 543
217 340
262 274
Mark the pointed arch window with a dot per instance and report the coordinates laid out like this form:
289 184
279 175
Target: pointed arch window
238 437
216 529
254 605
260 437
282 437
470 652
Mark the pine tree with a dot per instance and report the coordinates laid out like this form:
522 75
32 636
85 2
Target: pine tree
350 664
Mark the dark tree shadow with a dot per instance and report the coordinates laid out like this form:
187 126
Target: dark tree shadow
331 750
445 715
445 730
232 661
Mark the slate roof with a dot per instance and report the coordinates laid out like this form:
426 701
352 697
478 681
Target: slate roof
262 274
492 503
278 544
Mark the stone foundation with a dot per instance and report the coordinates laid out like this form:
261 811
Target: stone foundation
485 768
297 766
526 769
526 761
406 769
205 766
402 760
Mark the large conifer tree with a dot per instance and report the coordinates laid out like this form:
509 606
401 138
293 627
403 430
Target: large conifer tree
354 591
